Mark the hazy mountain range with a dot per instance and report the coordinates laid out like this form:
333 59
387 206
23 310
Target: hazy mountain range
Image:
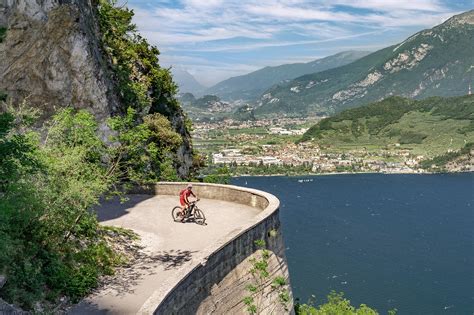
250 86
186 82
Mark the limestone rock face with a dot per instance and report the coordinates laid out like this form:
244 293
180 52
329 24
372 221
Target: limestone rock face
51 57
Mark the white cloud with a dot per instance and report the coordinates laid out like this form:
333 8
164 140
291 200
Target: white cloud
260 45
213 27
390 5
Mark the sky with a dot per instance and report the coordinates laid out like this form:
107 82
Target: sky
217 39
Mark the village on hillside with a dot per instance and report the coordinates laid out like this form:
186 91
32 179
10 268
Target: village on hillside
273 143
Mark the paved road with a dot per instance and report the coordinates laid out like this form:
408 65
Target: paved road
169 245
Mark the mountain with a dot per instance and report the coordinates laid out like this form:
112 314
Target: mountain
251 86
206 108
430 127
437 61
186 82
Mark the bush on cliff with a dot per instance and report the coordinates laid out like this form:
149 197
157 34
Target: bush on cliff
143 154
50 241
3 33
145 88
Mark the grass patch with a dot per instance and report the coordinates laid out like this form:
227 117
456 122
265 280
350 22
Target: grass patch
412 137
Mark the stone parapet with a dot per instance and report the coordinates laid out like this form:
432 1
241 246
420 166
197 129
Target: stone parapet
216 280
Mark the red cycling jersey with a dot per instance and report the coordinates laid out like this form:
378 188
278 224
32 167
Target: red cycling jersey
183 196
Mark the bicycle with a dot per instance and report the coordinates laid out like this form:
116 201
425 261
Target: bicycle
192 212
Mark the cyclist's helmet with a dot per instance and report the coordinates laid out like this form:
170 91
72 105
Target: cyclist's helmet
190 186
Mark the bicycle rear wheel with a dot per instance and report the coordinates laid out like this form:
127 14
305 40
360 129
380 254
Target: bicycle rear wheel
199 217
175 213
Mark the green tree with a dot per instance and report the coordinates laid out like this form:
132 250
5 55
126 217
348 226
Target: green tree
336 304
143 153
147 89
50 241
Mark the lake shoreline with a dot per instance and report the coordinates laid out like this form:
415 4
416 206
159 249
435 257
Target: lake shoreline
350 173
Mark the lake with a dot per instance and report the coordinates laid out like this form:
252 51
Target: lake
389 241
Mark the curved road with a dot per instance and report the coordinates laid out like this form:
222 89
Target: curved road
170 247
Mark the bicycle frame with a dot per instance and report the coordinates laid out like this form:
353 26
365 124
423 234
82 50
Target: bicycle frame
192 206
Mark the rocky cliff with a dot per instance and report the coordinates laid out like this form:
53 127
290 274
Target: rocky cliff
53 57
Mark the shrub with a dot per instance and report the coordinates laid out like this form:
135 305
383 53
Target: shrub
51 243
3 33
408 137
336 304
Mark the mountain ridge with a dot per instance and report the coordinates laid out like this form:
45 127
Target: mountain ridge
186 82
436 61
249 86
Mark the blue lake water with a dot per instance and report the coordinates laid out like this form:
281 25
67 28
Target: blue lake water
389 241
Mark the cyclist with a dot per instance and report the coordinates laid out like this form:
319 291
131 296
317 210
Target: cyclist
183 199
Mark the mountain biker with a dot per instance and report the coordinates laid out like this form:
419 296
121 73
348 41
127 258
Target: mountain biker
183 199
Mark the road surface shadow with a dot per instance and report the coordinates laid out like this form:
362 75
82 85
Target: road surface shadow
127 278
174 258
115 208
85 307
143 265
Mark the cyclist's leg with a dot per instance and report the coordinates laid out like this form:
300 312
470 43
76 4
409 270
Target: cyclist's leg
189 210
183 209
185 212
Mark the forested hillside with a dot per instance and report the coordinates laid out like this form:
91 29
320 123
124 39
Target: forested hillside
431 126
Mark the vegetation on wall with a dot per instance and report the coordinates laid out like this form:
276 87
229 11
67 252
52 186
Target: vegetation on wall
261 275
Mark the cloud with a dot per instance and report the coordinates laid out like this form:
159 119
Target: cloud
235 32
273 44
390 5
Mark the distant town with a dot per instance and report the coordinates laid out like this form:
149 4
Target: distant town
272 144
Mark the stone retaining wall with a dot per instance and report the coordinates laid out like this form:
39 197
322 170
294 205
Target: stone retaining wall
217 279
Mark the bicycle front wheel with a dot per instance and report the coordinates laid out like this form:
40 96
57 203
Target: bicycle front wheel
175 213
199 217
